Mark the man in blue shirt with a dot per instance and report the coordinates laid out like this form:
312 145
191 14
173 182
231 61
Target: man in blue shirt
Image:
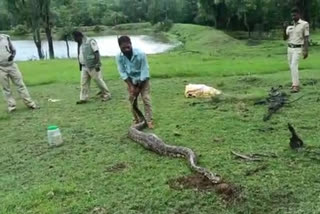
134 70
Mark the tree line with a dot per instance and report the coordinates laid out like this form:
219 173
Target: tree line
36 15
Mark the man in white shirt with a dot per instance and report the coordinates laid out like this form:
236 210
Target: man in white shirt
298 41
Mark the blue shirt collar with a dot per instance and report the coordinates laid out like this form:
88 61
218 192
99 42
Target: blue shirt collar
135 52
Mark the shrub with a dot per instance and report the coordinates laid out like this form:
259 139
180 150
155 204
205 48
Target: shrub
164 26
114 18
97 29
20 30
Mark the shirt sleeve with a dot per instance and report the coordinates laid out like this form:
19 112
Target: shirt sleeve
144 68
94 45
121 69
306 31
288 29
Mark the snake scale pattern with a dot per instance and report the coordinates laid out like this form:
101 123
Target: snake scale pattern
152 142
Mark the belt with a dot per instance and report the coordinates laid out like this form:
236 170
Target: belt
294 46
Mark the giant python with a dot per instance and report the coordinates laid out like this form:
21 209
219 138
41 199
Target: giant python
152 142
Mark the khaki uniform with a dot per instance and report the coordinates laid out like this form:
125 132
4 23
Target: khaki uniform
10 71
296 34
90 73
146 99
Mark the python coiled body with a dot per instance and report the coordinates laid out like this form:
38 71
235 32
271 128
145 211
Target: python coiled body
154 143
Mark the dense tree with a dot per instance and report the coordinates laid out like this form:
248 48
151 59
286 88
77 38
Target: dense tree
4 20
46 16
135 10
28 12
315 13
246 14
189 10
4 17
249 15
159 11
66 30
34 12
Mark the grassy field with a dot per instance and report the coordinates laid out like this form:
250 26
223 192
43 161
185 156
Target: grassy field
99 170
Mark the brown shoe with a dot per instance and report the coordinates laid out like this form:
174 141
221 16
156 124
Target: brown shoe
10 110
150 125
34 107
81 102
105 99
99 94
295 89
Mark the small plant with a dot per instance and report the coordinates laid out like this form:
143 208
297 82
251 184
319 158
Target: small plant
97 29
164 25
20 30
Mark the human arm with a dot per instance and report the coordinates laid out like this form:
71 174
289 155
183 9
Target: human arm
124 76
95 48
12 50
306 41
97 59
121 67
285 33
78 50
134 90
306 47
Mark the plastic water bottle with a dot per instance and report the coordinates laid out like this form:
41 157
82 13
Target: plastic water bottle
54 136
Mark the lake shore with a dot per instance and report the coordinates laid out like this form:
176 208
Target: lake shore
108 46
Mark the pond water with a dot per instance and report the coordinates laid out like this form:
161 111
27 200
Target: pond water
108 45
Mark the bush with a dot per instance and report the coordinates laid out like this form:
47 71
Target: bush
97 29
20 30
132 26
4 21
114 18
164 26
202 19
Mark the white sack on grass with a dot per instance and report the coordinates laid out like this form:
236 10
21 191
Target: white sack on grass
200 90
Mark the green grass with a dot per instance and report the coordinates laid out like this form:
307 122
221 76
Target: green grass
76 177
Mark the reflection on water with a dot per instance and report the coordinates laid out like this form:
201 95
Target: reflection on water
108 45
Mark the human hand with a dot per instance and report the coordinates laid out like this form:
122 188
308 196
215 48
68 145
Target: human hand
285 24
305 54
97 68
131 90
10 58
134 90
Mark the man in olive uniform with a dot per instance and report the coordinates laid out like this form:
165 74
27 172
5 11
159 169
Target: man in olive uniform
297 35
10 71
90 67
